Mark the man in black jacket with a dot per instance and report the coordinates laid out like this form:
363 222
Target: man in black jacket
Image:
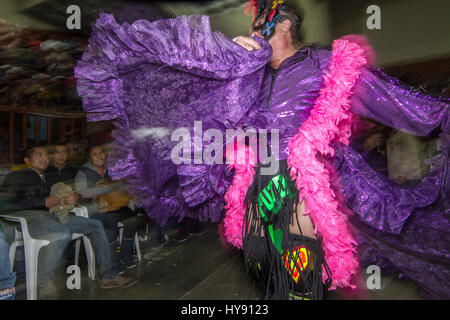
59 170
28 186
28 190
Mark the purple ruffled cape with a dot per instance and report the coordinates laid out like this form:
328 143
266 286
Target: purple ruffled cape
155 77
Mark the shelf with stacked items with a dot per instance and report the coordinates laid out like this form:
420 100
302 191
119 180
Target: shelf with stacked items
38 96
36 69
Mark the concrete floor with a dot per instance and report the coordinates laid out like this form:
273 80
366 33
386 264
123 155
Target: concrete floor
200 269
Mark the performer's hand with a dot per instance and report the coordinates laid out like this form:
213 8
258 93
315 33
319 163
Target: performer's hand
248 43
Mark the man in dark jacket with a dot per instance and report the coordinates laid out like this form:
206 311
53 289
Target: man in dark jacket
28 190
28 185
59 169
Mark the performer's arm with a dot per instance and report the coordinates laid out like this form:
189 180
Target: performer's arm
186 43
384 99
378 201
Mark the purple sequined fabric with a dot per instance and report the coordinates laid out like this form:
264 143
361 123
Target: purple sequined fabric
384 99
402 230
288 94
420 252
154 77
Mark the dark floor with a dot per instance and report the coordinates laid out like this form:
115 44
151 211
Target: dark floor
200 269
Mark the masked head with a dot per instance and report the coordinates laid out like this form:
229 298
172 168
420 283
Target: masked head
268 14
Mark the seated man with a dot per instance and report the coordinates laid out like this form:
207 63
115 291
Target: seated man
107 201
59 170
29 191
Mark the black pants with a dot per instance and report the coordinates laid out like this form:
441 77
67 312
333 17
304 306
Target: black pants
110 220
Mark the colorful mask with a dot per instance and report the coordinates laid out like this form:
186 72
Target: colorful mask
261 8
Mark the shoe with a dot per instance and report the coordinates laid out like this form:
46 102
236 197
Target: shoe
47 291
198 231
129 264
159 242
126 249
8 294
117 282
180 236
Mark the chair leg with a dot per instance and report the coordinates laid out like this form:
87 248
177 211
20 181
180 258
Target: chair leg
120 234
138 250
31 279
90 256
77 251
32 248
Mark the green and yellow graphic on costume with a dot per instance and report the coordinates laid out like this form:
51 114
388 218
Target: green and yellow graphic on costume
269 204
299 257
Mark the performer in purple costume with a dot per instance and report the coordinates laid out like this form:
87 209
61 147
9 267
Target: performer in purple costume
154 77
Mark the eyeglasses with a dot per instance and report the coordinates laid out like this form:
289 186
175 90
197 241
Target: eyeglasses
39 155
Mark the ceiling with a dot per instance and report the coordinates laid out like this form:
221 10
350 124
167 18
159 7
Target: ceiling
53 12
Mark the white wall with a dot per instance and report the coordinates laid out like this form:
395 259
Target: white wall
317 25
10 11
411 30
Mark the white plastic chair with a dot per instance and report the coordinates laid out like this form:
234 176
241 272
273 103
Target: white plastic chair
90 255
32 246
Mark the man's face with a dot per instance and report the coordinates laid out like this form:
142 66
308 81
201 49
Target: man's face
97 156
258 27
256 31
59 157
39 159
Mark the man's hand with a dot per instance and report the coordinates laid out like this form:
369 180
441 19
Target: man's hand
106 182
101 182
248 43
71 199
52 201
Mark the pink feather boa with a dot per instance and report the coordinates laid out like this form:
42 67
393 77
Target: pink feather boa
233 221
330 120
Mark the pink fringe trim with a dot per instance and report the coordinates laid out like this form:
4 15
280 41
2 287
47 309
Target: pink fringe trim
330 120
